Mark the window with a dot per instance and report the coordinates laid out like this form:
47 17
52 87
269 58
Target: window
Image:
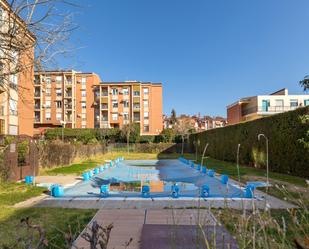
13 129
126 116
58 79
83 126
115 104
125 91
146 90
1 17
83 93
13 107
47 115
58 104
136 93
136 106
293 103
59 92
83 117
279 104
146 128
47 80
48 91
47 104
145 103
126 103
115 91
306 102
146 115
83 105
58 116
13 79
83 81
114 116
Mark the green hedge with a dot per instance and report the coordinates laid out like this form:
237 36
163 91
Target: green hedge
287 154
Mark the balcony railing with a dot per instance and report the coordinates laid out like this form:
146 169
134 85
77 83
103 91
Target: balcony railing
37 94
269 109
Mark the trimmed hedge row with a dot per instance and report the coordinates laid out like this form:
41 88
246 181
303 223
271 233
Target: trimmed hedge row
287 154
56 153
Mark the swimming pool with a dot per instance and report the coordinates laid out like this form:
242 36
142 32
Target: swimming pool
126 178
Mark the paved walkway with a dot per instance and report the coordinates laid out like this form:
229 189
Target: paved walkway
132 203
129 223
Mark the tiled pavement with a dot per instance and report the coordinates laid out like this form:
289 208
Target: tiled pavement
128 223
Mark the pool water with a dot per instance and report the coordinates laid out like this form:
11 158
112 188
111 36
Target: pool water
127 178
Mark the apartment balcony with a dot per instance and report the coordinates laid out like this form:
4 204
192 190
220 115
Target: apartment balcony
104 94
37 107
68 106
104 119
37 119
68 119
1 110
68 95
267 109
104 106
37 94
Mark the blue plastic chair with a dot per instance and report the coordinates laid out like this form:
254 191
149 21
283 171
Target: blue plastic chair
29 179
204 170
211 173
205 191
198 168
104 190
249 191
86 176
224 179
56 190
101 168
96 171
145 191
90 173
175 190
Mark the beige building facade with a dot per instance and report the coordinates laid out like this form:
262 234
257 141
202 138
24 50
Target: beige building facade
254 107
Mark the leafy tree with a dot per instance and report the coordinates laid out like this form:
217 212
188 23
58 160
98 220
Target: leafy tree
168 135
173 119
305 83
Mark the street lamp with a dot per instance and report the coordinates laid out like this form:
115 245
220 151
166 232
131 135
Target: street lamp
63 123
238 147
267 168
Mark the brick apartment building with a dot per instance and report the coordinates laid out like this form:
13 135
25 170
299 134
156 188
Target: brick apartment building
80 100
254 107
17 73
64 98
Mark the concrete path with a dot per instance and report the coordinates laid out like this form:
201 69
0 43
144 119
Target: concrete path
133 203
129 223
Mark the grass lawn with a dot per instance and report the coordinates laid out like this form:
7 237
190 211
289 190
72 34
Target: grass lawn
80 167
230 169
266 229
11 193
57 223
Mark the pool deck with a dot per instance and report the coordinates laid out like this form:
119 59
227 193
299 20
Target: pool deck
129 224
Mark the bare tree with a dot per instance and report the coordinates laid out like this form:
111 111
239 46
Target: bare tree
183 127
33 34
127 130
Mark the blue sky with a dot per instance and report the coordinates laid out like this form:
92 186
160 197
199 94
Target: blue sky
207 53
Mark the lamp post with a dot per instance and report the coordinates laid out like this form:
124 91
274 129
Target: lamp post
238 147
267 168
63 123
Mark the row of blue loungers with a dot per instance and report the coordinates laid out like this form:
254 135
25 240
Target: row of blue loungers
248 191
